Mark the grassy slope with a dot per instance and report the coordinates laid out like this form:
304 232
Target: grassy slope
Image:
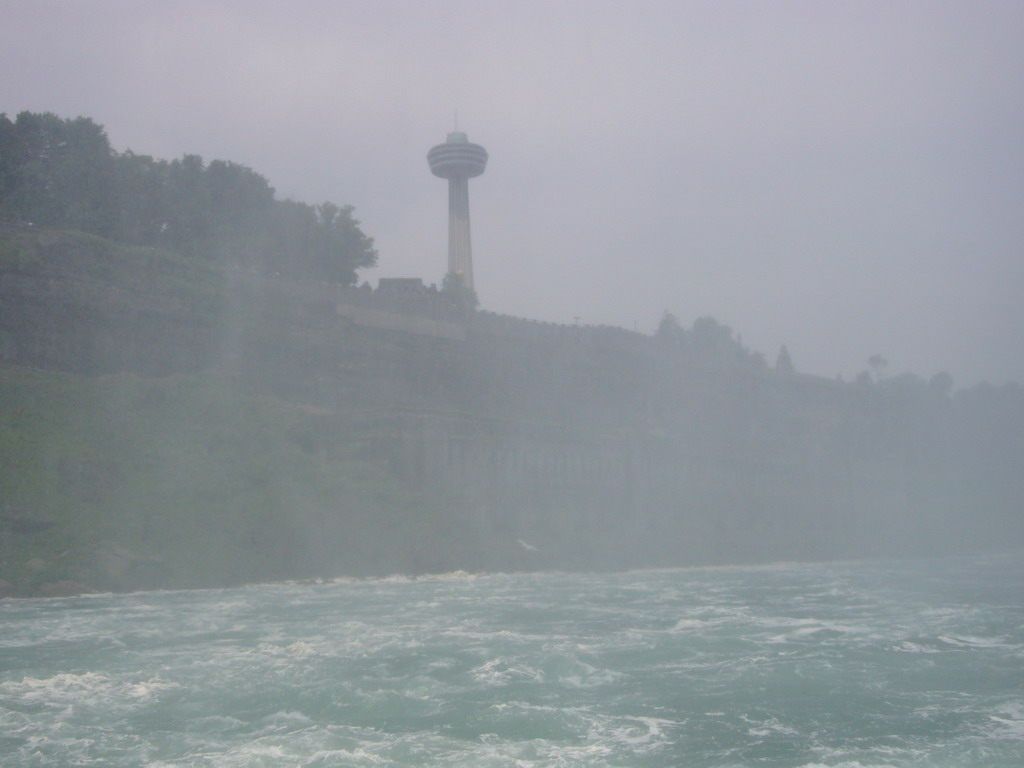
181 481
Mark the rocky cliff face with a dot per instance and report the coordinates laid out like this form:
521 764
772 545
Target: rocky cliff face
175 424
74 302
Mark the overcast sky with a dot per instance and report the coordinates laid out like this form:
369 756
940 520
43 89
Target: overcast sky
845 178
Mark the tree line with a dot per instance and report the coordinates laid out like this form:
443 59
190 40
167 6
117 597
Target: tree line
63 173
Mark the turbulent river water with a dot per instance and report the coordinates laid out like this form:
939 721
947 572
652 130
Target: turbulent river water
872 663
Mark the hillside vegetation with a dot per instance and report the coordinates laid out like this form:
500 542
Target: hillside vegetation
192 393
123 482
63 174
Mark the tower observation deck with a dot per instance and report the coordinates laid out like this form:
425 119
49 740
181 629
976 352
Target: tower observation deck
458 161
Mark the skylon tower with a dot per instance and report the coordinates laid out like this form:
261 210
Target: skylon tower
458 161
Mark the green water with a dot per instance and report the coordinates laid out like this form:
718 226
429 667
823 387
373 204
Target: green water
911 663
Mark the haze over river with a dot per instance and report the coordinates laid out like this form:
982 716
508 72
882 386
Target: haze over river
870 663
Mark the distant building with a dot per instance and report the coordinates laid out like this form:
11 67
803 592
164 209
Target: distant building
458 161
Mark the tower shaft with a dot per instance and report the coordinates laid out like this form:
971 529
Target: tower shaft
460 248
458 161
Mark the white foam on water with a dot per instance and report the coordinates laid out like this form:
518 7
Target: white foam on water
690 625
1007 722
649 731
642 669
769 727
218 724
976 642
88 689
906 646
591 677
503 670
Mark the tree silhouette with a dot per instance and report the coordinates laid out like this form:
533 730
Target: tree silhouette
878 364
784 363
63 174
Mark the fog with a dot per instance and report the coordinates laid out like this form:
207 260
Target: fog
749 286
845 179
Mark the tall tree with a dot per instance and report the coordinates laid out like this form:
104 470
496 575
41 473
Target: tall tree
341 247
459 295
784 363
57 172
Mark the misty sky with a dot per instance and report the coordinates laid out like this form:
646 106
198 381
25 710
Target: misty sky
844 178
